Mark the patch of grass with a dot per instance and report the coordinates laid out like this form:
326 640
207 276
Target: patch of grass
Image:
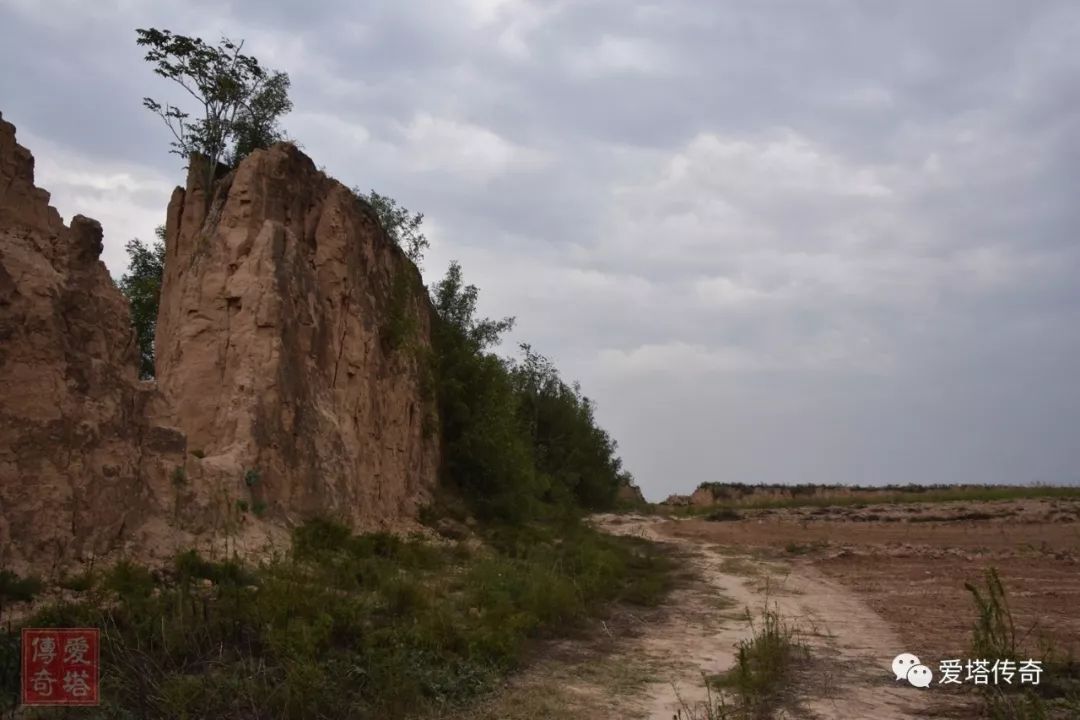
1001 705
251 477
129 580
79 582
763 661
794 548
724 514
15 589
344 625
190 565
764 664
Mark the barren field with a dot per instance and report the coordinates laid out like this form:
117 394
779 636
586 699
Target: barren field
909 563
860 584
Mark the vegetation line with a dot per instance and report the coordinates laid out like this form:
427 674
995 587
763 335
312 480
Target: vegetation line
342 625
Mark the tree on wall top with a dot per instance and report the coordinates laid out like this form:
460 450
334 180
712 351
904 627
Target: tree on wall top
401 225
241 102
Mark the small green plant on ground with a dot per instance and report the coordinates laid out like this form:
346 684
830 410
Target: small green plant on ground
794 548
724 514
764 664
179 476
994 635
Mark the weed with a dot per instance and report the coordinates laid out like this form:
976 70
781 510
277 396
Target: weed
81 582
15 589
1000 705
764 663
995 632
190 565
794 548
319 535
129 581
179 476
199 454
723 514
251 477
994 637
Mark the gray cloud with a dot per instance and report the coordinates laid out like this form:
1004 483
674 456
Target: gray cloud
780 241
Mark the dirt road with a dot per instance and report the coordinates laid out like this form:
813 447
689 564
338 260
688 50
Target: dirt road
861 583
653 669
851 647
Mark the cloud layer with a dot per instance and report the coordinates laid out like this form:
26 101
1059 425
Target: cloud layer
782 242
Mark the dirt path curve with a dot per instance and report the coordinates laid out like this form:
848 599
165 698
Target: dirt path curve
851 646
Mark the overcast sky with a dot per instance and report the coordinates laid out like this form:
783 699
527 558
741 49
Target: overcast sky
776 241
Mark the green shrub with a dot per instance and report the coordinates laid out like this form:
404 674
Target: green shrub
80 582
723 514
129 580
319 535
400 324
17 589
191 565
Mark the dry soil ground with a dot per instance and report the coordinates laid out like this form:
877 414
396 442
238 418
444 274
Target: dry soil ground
862 585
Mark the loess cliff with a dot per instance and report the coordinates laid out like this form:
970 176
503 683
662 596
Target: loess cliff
290 374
